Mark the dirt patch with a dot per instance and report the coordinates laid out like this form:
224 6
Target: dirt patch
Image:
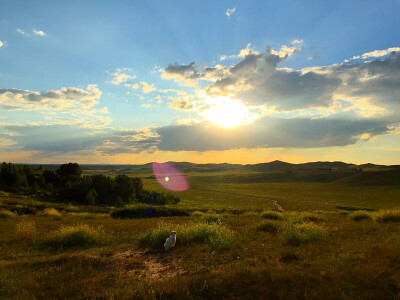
149 264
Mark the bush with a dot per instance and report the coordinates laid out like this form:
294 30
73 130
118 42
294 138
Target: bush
268 226
387 215
6 213
26 229
147 212
216 236
271 215
297 234
51 212
359 216
81 235
293 217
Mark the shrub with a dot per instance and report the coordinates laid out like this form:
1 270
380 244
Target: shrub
271 215
387 215
6 213
297 234
268 226
359 216
51 212
73 236
85 215
216 236
26 229
147 212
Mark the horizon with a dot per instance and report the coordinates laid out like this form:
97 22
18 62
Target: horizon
226 82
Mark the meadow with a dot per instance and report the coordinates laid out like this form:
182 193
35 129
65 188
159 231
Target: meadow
333 240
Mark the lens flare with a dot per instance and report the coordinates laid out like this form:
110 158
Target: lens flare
169 177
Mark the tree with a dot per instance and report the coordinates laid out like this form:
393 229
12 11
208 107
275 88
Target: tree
69 170
124 188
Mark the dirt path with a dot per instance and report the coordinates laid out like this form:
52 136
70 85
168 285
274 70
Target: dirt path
277 206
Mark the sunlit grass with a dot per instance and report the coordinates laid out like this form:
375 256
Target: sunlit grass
73 236
215 235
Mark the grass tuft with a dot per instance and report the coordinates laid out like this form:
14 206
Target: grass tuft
268 226
215 235
359 216
67 237
387 216
297 234
51 212
311 217
4 213
197 213
271 215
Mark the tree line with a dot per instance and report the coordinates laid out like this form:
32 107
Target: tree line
68 184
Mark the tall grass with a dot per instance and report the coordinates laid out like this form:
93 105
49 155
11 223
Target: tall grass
215 235
4 213
271 215
297 234
51 212
360 215
268 226
73 236
387 215
26 229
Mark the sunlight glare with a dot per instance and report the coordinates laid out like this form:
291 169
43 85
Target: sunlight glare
227 112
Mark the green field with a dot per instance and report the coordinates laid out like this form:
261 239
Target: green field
335 240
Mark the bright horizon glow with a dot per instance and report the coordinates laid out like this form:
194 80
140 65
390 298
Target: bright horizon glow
228 113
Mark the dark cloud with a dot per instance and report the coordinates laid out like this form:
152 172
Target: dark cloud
269 133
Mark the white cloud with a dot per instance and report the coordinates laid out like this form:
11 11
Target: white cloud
230 11
38 32
377 53
104 110
144 86
120 77
68 99
20 31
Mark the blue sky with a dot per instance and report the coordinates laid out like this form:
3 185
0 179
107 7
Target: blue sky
243 81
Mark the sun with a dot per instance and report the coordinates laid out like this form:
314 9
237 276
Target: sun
227 112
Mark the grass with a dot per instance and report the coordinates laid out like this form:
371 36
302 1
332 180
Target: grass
216 236
268 226
387 216
319 255
271 215
67 237
51 212
360 216
4 213
138 212
297 234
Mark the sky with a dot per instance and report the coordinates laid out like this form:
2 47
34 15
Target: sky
131 82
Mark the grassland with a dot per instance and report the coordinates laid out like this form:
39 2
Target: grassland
323 246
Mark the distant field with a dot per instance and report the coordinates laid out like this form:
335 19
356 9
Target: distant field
213 190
